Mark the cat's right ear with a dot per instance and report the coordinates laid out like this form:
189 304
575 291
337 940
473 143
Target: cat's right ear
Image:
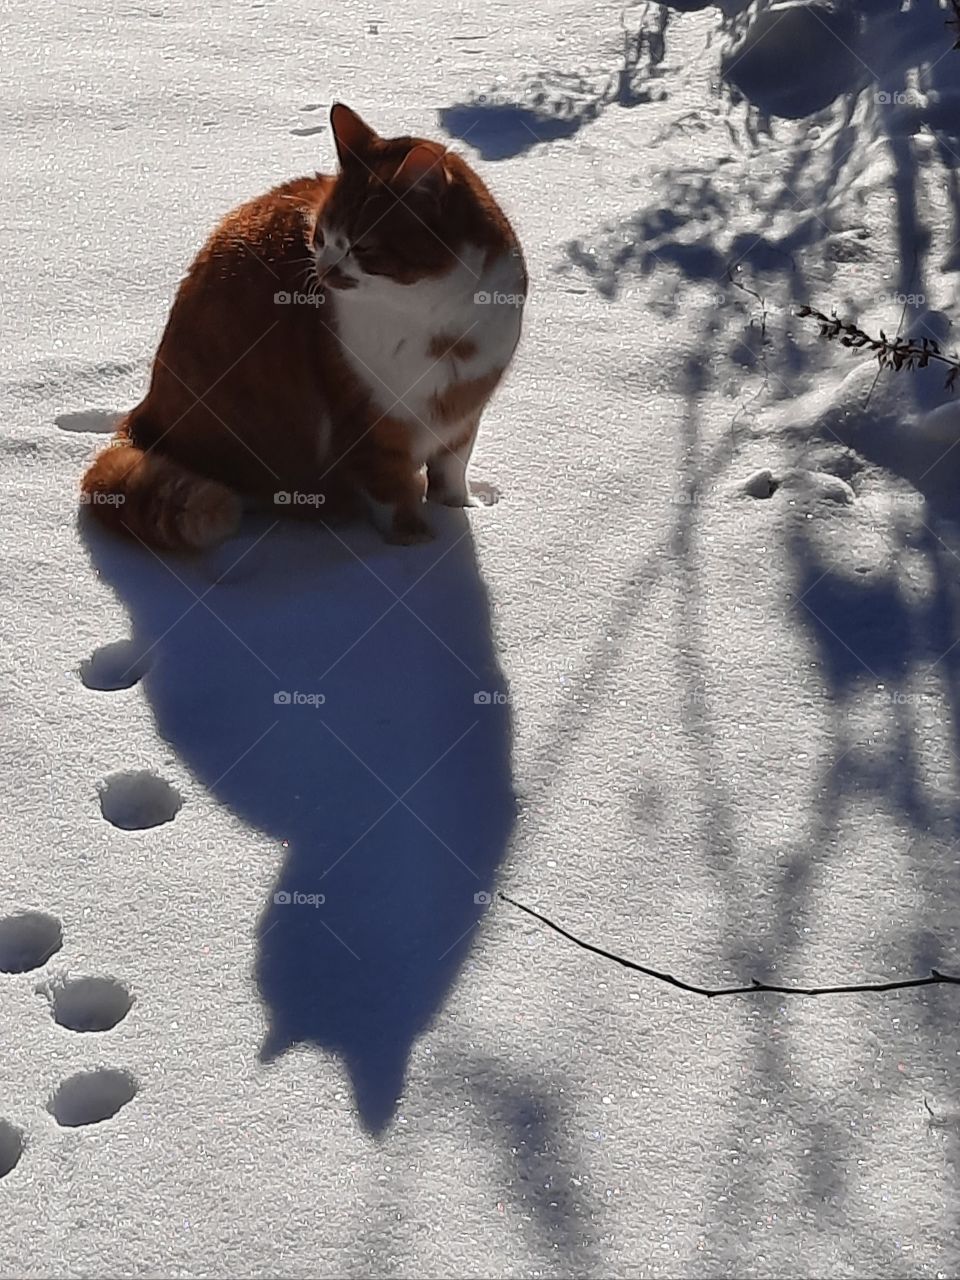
352 136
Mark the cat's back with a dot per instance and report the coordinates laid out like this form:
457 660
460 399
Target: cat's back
270 230
236 388
240 288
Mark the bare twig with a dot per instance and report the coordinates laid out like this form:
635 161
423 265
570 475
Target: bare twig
744 405
892 353
755 986
903 316
737 284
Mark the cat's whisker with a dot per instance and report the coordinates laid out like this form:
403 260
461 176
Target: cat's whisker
309 273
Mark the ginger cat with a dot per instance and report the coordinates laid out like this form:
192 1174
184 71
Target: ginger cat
335 341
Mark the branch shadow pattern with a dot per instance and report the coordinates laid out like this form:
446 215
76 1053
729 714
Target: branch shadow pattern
874 636
557 105
860 628
681 248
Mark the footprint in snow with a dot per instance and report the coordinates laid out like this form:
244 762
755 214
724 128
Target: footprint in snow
11 1147
87 1004
138 799
91 1096
27 941
815 484
118 665
762 484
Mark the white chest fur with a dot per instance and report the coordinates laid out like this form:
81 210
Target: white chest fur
393 336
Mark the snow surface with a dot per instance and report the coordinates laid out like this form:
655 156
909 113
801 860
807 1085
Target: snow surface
716 614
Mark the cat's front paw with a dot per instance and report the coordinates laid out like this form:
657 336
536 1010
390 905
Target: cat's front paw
408 528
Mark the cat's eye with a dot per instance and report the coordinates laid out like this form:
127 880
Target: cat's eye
369 257
319 240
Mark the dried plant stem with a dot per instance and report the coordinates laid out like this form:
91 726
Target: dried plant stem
933 979
892 353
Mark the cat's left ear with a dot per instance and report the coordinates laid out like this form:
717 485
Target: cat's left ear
422 171
351 134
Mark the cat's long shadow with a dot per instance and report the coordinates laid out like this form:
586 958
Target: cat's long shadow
372 734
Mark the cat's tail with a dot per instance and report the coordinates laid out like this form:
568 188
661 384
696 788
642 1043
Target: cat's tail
156 500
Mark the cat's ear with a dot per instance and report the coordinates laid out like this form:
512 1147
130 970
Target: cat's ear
422 172
352 136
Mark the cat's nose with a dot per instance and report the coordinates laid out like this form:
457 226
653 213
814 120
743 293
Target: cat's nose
327 255
318 237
